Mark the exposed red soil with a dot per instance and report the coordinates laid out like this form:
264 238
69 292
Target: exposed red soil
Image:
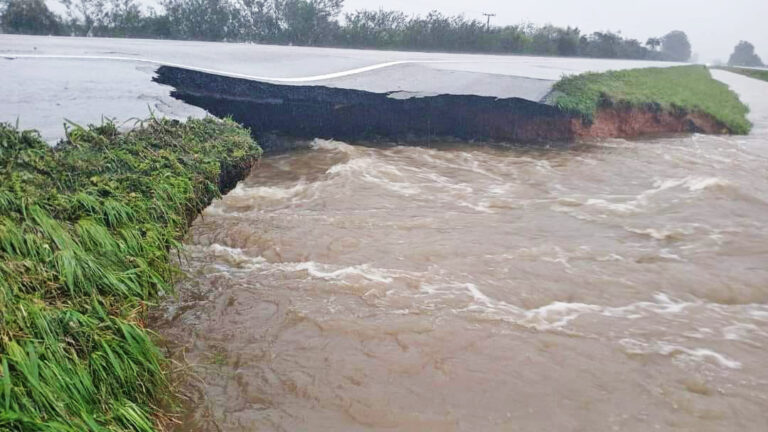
614 122
609 122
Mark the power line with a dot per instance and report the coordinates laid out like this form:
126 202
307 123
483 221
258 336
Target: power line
489 15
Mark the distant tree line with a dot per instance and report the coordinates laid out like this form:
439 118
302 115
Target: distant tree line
318 23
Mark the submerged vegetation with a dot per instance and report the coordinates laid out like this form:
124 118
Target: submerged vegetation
86 231
688 89
761 74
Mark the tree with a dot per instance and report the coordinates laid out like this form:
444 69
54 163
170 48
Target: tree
29 17
602 45
123 19
744 55
309 22
568 41
376 28
85 15
544 40
255 20
199 19
115 18
653 43
510 39
675 46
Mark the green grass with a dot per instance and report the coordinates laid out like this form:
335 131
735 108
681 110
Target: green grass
676 89
86 233
760 74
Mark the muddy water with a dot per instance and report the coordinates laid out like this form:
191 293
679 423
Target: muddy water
609 285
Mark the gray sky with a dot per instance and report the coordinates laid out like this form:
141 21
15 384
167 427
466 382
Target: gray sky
713 26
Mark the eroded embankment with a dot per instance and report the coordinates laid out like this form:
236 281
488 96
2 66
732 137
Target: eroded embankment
326 112
629 122
651 100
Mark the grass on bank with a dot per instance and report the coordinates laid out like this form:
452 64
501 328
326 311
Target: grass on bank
86 232
761 74
675 89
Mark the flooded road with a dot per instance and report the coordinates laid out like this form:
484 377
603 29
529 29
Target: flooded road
607 285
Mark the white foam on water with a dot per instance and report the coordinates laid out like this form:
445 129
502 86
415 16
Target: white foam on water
324 271
741 331
269 192
340 273
234 257
372 171
445 182
481 207
663 305
761 315
692 183
352 165
238 258
500 189
466 161
553 316
628 207
704 355
665 253
244 199
557 314
611 257
641 201
666 232
321 144
478 295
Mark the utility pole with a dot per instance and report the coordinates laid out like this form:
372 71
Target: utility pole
488 25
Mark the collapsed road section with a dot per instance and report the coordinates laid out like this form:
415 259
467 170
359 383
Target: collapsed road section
326 112
316 111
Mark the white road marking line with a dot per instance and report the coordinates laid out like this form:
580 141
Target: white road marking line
225 73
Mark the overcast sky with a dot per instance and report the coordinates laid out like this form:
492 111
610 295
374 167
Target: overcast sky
713 26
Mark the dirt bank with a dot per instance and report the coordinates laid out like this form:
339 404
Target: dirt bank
629 122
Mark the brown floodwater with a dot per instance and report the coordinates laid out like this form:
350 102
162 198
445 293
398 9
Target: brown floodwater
605 285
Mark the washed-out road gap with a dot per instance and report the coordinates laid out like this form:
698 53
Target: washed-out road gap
49 79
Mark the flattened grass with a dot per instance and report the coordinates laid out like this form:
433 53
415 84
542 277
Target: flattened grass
761 74
86 229
674 89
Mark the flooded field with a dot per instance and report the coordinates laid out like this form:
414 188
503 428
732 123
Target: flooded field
607 285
